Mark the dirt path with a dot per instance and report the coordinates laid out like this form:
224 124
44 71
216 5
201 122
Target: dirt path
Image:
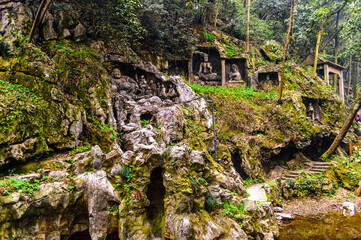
322 204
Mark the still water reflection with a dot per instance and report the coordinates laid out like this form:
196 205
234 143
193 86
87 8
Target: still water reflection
322 226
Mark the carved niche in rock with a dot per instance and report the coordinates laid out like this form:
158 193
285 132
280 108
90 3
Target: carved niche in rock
313 110
235 72
267 80
123 84
234 75
138 84
207 66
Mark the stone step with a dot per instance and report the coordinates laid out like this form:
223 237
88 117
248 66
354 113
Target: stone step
320 168
314 167
285 178
321 163
316 171
323 166
291 175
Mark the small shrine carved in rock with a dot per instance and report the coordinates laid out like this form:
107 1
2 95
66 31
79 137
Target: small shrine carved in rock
313 110
266 80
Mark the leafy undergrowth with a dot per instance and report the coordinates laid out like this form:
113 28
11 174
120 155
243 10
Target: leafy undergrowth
16 98
10 184
347 171
310 184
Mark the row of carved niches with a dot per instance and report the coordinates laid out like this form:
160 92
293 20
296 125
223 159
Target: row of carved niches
141 84
313 109
267 80
207 67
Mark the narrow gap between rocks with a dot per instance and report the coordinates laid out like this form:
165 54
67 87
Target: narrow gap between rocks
237 161
155 194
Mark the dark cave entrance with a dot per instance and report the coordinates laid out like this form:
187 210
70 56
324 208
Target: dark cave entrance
83 235
113 236
313 152
237 163
146 116
155 194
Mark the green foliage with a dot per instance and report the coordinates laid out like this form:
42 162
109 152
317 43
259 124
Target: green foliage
18 99
234 13
209 37
290 182
231 51
144 122
233 211
80 149
238 92
308 184
351 33
249 181
114 208
106 129
203 181
211 203
112 20
11 184
72 188
168 27
70 160
126 173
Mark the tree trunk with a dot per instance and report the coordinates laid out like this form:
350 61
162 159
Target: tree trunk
248 19
216 14
35 22
336 52
317 47
39 18
349 80
356 107
290 23
355 79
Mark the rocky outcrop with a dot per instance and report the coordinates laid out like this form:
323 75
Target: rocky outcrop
91 192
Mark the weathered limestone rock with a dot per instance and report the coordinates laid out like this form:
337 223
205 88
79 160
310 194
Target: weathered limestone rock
13 15
283 216
19 150
79 32
99 192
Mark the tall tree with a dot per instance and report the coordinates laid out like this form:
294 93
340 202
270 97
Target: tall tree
290 23
248 19
216 13
336 50
322 15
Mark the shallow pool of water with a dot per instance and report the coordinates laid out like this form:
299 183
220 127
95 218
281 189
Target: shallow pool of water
322 226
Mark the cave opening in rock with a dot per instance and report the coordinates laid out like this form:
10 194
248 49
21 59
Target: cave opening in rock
237 163
155 194
281 159
146 117
113 236
319 145
83 235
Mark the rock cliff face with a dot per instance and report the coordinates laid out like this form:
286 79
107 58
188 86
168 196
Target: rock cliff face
100 145
148 174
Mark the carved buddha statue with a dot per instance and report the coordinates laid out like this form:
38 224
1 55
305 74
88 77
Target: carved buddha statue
234 74
205 67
